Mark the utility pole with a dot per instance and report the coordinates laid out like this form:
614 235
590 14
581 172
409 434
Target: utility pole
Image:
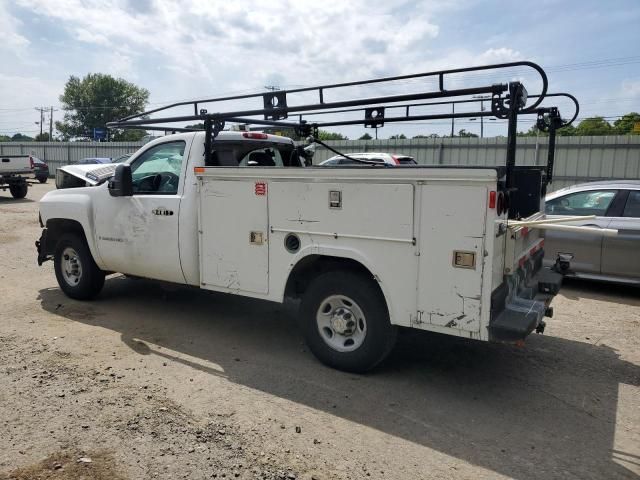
453 111
482 98
41 110
51 125
481 119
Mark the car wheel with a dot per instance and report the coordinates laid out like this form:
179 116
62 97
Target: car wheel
18 190
346 321
42 179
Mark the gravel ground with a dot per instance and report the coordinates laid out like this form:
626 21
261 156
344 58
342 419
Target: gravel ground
161 381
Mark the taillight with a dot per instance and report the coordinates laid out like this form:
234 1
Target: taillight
492 199
255 135
31 162
395 159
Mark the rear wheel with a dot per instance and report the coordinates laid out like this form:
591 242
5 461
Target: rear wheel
42 179
346 321
77 273
18 190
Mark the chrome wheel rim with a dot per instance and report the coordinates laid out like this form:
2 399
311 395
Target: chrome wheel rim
341 323
71 267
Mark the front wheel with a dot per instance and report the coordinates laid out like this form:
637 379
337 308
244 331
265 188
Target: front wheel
77 273
346 321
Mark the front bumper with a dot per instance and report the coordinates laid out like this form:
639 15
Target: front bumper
515 315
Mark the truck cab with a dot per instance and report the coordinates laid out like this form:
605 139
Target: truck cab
141 236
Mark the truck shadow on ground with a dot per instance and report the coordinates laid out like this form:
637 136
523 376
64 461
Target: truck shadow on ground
544 411
575 288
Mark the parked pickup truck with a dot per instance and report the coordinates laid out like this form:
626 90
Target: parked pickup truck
365 249
14 171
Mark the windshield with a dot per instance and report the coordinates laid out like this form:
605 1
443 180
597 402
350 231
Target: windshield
122 158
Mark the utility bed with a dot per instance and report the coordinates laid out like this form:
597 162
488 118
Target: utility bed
434 254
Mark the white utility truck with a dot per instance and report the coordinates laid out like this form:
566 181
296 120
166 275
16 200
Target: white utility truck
366 248
14 171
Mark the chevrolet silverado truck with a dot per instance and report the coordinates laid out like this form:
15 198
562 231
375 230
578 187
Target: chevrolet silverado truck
366 249
14 171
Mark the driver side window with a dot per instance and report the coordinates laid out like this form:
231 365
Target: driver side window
591 202
157 171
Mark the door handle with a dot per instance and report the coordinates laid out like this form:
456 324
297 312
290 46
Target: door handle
163 212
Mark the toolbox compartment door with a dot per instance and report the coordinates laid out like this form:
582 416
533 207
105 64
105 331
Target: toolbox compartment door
452 232
233 225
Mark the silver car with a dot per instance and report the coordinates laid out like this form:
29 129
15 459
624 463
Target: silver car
616 204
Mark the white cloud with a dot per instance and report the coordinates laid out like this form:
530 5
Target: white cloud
206 48
91 37
499 55
119 64
9 26
282 37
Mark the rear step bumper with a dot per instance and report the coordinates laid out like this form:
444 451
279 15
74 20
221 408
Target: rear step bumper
524 312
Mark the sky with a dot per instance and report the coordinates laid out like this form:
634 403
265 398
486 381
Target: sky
206 48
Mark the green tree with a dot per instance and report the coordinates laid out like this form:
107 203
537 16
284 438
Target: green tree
19 137
401 136
196 126
431 135
325 135
96 99
464 133
594 126
42 137
567 131
5 138
625 125
366 136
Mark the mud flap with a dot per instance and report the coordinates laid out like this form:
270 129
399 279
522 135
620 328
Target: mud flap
41 246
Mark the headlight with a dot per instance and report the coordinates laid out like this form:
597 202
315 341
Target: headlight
59 178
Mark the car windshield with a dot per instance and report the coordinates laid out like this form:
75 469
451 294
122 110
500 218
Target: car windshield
122 158
406 161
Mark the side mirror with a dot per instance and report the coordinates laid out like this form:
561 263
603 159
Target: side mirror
121 185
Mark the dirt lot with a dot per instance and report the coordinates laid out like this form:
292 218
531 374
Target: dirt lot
161 381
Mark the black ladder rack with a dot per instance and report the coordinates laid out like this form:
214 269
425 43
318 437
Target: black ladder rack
507 100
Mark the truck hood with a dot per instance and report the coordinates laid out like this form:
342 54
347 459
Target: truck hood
93 174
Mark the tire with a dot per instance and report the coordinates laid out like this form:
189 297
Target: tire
328 309
19 190
42 179
77 273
